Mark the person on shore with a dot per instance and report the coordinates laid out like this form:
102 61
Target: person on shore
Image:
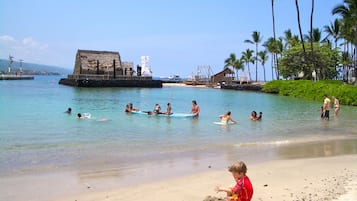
336 106
243 190
255 117
326 107
225 118
69 111
195 108
168 109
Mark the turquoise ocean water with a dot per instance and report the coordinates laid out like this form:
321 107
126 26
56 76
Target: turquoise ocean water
36 134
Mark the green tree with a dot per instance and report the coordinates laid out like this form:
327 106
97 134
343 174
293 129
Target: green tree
247 57
291 63
263 57
256 40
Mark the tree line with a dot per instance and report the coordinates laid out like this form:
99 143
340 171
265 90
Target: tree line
306 56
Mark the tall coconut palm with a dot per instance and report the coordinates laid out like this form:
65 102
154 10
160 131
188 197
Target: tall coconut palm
273 17
247 57
290 39
236 64
230 60
334 31
256 40
300 30
311 30
314 37
263 57
348 11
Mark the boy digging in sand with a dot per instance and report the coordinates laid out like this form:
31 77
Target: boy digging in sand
243 190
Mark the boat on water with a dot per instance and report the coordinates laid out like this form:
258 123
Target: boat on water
172 79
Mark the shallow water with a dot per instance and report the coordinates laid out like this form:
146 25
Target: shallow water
36 134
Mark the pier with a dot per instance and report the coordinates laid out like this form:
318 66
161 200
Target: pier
15 77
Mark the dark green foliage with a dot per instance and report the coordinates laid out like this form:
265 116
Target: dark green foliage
324 59
347 94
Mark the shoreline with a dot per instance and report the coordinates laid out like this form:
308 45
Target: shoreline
171 177
327 178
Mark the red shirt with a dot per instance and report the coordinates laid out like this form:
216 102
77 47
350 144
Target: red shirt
243 189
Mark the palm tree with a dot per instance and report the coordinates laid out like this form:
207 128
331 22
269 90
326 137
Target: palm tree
230 60
256 40
314 37
247 58
273 17
236 64
300 31
290 39
263 57
348 12
333 30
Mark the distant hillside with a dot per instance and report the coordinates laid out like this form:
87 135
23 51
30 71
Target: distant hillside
33 67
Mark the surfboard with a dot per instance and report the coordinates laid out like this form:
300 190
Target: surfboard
223 123
182 115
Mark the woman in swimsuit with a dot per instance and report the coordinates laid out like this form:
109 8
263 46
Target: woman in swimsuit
195 108
227 117
336 106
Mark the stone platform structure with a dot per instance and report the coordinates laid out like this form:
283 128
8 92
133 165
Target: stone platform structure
105 69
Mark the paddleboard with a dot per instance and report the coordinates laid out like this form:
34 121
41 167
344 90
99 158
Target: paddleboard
223 123
182 115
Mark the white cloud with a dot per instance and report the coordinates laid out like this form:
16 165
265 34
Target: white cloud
28 48
6 38
31 44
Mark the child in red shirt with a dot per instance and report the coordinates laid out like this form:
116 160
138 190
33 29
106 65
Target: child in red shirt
243 190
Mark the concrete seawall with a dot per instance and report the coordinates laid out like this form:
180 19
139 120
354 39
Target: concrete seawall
14 77
244 87
111 83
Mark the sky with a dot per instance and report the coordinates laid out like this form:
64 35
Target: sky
177 35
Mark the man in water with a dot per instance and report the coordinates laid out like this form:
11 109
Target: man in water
326 107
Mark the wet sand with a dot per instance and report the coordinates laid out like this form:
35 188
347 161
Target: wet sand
321 178
329 178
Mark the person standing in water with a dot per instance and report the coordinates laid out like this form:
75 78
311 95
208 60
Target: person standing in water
195 108
326 107
336 106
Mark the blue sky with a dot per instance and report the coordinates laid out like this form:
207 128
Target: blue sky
178 35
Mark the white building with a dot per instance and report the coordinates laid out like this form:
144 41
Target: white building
145 67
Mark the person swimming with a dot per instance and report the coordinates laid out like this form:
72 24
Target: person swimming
69 111
225 118
254 117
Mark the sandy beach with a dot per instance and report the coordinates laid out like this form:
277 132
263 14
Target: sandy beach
327 178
